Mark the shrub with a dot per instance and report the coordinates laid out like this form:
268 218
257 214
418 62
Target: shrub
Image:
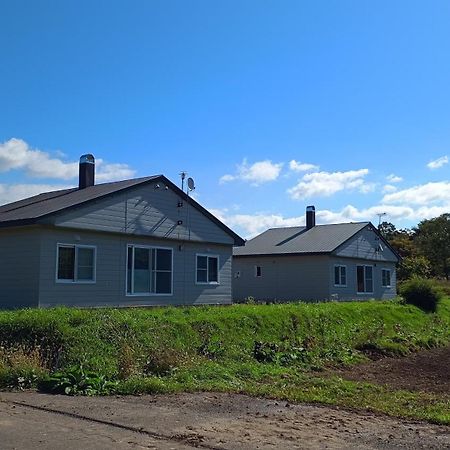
423 293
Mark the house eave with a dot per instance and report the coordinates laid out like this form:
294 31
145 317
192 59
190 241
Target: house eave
256 255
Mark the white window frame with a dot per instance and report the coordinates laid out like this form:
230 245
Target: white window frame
390 275
340 275
256 271
373 276
75 269
208 255
145 294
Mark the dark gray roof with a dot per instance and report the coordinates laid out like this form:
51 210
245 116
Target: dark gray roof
51 202
31 210
299 240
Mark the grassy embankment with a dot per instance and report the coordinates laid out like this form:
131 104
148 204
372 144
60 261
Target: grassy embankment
270 350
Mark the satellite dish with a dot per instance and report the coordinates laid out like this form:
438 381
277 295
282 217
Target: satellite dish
191 184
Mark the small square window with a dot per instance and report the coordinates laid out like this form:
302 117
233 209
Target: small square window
76 263
207 269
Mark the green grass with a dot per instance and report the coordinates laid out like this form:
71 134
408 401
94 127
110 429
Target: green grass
270 350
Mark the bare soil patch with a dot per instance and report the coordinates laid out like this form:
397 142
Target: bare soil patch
202 420
426 371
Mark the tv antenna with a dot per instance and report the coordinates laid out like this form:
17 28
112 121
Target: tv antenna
183 176
380 215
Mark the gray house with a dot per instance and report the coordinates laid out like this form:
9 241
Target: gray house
318 262
130 243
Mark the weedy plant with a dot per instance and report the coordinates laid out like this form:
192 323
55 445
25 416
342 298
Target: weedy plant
77 380
21 367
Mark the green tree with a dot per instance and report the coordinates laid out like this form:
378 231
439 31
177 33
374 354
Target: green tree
403 242
413 267
387 230
433 240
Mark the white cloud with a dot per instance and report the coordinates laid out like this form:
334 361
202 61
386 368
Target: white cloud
424 194
394 178
112 171
328 183
388 188
253 224
301 167
256 174
438 162
16 154
367 187
226 178
13 192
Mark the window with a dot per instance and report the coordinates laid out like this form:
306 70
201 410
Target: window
76 263
149 270
258 271
340 275
364 278
207 269
386 277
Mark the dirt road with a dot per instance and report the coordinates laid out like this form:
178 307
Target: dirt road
212 421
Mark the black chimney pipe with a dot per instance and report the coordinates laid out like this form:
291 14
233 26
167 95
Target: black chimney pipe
310 217
86 176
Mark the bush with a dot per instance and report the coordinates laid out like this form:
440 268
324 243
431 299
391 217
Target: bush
423 293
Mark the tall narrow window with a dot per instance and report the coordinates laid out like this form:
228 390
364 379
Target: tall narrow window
207 269
340 275
364 279
386 277
258 271
76 263
149 270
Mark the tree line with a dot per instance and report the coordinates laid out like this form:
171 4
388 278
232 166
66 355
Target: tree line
425 249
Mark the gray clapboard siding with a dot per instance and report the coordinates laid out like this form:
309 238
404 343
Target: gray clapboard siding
145 211
363 245
349 292
19 268
284 278
110 286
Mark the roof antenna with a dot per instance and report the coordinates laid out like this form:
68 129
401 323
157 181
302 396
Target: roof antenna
380 215
183 176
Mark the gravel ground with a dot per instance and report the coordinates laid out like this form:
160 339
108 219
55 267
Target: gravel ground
214 421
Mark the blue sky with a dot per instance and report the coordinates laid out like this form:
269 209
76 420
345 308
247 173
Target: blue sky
269 105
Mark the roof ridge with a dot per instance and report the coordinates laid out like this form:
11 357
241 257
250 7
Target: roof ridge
342 223
318 225
128 180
